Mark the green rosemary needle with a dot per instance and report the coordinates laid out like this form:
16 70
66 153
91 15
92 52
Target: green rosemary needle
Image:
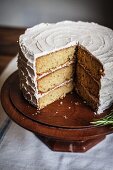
107 120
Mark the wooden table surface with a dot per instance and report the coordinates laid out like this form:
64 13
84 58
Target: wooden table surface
8 44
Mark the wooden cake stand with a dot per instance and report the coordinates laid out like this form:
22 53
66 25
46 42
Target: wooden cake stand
63 125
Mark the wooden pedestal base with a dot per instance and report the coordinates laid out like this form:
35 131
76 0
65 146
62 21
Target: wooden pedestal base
62 127
76 146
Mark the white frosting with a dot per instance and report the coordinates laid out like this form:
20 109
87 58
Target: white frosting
45 38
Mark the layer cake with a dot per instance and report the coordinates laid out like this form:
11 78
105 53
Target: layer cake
55 59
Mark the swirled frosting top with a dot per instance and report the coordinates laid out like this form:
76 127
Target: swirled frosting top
45 38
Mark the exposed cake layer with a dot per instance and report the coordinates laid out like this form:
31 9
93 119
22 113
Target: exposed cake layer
86 96
55 69
88 77
94 83
55 94
90 63
62 77
53 60
55 78
47 82
85 79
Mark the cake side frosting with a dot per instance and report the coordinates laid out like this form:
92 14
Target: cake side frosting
45 38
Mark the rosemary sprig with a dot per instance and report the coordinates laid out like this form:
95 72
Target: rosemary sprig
107 120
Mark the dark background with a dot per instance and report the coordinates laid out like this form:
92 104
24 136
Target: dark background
25 13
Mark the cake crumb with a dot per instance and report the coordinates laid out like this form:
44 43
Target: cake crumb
56 111
71 148
33 114
38 111
62 96
69 107
61 102
101 70
95 113
76 103
65 116
84 101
